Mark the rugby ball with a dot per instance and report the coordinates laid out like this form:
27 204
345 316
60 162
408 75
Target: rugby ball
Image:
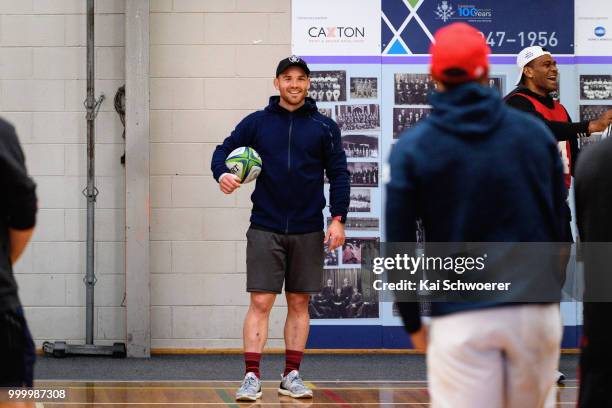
245 163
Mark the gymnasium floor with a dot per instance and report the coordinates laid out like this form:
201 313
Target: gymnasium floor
338 380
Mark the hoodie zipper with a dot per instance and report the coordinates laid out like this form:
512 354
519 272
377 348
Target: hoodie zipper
289 161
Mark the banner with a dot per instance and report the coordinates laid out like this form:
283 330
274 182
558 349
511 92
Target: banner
594 27
508 26
336 27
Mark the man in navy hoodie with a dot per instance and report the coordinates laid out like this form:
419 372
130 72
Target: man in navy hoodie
298 146
476 171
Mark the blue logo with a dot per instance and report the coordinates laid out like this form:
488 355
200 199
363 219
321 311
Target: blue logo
600 31
471 13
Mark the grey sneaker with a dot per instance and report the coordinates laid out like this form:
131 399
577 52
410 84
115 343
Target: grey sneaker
250 389
293 386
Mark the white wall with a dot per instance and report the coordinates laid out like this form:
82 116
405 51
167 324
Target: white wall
42 88
212 63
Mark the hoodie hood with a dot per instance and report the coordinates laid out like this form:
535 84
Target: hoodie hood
309 106
470 109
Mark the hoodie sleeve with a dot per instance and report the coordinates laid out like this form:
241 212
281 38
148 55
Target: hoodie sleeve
337 173
241 136
400 219
20 201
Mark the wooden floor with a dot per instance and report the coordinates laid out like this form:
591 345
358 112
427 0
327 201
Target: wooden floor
221 394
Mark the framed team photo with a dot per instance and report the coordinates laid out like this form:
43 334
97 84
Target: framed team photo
363 174
360 146
328 86
361 200
592 112
358 117
405 118
596 87
364 88
412 89
347 294
360 223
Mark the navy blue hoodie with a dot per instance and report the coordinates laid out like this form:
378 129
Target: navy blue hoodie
296 148
474 170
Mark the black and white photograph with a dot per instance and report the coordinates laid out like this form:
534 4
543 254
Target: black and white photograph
326 112
596 87
354 248
346 294
360 223
361 200
412 89
592 112
405 118
364 88
360 146
358 117
363 174
331 257
328 86
497 82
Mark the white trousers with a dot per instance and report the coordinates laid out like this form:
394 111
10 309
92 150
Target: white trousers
502 357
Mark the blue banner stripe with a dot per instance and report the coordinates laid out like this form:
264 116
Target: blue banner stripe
389 337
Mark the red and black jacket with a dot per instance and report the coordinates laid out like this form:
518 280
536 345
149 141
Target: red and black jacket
558 121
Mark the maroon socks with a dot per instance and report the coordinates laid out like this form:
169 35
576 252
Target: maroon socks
292 360
251 361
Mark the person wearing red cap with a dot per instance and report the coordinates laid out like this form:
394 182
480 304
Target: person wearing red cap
446 173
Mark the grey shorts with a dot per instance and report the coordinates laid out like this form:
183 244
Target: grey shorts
295 259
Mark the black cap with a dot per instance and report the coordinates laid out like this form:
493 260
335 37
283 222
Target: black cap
292 61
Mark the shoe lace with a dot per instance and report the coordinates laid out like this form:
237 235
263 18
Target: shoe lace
249 382
298 381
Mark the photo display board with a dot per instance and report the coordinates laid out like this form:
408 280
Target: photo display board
375 92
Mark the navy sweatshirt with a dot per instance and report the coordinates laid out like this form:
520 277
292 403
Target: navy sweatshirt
297 149
474 170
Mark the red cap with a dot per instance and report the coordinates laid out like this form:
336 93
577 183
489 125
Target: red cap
459 54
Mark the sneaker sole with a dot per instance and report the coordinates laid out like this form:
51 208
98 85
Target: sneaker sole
292 395
248 397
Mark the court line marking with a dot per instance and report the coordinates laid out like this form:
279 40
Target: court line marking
305 403
232 387
39 405
255 403
118 387
238 380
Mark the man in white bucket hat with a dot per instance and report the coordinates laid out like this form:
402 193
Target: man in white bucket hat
538 77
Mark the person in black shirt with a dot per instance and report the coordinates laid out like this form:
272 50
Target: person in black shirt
594 219
17 219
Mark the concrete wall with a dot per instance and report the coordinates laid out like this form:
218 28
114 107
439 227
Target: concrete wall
212 63
42 88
